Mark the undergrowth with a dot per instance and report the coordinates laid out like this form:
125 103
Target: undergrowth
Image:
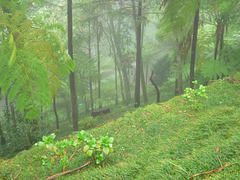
161 141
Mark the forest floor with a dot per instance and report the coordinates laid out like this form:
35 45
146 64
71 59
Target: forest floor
170 140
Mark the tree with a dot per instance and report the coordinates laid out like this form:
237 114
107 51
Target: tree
31 64
194 45
71 76
138 30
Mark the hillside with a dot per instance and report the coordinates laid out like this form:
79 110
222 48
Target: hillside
161 141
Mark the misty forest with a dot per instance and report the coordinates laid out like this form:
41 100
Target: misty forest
119 89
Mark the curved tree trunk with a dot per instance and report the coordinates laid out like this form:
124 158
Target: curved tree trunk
155 86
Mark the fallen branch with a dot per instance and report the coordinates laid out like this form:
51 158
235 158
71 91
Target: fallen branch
67 172
216 170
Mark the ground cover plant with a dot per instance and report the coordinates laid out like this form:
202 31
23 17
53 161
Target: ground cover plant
169 140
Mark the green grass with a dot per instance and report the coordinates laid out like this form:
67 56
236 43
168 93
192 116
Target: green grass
161 141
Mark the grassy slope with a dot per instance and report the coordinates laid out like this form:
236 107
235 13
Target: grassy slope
165 141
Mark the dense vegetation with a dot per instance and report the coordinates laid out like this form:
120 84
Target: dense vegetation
64 62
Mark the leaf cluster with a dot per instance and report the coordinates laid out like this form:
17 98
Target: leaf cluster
96 149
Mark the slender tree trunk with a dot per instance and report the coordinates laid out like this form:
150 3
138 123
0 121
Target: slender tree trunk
194 45
90 78
91 93
155 86
222 37
99 66
3 141
116 79
180 77
71 77
55 112
146 75
144 89
218 34
138 27
176 87
13 115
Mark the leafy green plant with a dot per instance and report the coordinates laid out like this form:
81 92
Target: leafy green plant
60 148
96 149
193 96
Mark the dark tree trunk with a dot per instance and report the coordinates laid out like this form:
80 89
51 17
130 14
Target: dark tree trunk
138 27
194 45
55 112
3 141
155 86
13 115
72 77
99 66
218 34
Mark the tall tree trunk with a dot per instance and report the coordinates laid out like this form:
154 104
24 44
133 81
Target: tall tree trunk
99 66
90 78
55 112
194 45
144 89
138 31
71 76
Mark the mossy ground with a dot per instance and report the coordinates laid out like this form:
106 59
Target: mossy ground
161 141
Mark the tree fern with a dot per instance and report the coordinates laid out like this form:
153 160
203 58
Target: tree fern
215 68
32 62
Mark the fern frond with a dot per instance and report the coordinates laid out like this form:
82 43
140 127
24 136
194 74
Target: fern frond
215 68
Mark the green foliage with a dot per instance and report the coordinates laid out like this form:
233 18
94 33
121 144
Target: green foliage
213 69
32 62
193 96
96 149
20 134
